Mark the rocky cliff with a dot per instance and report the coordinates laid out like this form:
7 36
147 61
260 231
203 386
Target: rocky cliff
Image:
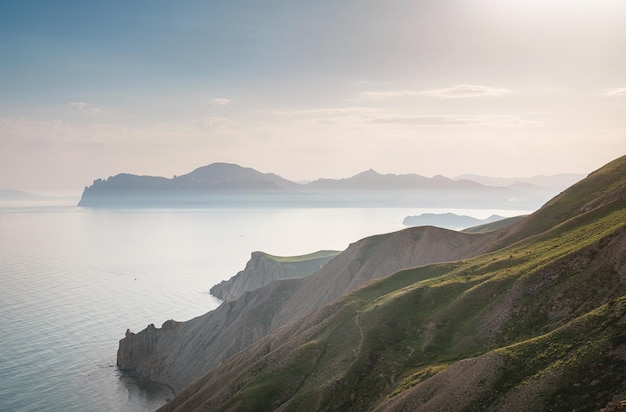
181 354
263 269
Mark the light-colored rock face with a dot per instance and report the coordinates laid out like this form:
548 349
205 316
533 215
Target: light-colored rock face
177 356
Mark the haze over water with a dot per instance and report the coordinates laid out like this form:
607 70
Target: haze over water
74 279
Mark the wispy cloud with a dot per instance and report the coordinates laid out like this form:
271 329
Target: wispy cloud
21 129
458 119
371 115
220 101
431 120
389 94
617 92
465 91
86 108
212 122
456 92
330 111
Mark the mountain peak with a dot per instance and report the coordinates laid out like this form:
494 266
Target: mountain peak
368 172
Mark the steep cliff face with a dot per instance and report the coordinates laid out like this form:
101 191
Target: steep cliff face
136 347
263 269
177 356
180 352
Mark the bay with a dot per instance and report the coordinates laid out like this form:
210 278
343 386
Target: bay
74 279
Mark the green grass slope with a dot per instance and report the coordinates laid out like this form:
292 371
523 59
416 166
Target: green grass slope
537 324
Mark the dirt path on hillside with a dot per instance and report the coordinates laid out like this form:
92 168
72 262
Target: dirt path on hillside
358 324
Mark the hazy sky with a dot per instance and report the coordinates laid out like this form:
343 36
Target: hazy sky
309 89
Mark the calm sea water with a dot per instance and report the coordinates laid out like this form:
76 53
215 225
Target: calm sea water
73 280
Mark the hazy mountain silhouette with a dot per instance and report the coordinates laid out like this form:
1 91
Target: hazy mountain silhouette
230 184
17 195
372 180
554 182
232 176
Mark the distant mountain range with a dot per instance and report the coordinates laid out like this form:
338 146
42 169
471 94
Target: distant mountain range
228 184
372 180
17 195
558 182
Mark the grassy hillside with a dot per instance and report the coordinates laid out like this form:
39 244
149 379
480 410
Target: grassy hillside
537 324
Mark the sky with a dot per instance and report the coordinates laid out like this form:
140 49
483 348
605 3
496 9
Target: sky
308 89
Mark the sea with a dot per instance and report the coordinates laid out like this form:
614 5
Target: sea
73 280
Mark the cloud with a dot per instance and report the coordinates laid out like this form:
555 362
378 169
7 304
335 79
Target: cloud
369 115
431 120
212 122
331 111
465 91
28 129
78 105
389 94
456 92
85 108
617 92
458 119
220 101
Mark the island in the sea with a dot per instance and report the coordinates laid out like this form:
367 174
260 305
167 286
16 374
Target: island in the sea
224 184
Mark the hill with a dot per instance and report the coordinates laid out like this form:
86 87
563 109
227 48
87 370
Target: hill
231 176
201 186
537 323
263 269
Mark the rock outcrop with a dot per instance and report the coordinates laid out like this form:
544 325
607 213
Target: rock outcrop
263 269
